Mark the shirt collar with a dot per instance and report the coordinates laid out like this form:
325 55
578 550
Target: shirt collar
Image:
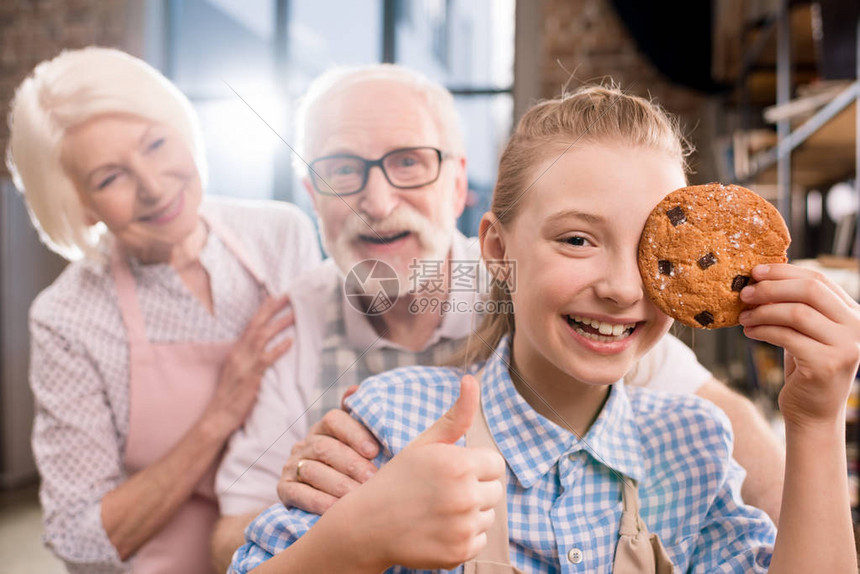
155 273
360 333
532 444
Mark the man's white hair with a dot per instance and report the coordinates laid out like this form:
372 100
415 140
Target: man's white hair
440 103
64 92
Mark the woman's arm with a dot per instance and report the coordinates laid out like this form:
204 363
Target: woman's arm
76 449
129 512
818 325
138 508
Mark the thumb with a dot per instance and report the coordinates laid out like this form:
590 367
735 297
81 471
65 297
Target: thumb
457 420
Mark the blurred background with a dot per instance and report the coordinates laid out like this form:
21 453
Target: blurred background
765 89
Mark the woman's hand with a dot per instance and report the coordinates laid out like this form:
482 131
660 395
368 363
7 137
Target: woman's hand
432 504
818 325
251 356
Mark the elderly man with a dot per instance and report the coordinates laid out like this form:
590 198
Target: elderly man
388 180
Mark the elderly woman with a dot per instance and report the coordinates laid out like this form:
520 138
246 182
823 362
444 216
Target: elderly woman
148 350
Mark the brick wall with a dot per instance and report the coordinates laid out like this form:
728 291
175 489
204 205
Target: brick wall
36 30
586 39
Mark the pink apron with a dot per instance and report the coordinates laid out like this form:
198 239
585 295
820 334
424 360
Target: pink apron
637 551
170 386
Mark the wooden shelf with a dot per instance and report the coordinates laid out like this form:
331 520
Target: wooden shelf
823 147
745 50
825 157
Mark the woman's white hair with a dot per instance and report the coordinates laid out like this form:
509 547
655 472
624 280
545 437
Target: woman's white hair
439 101
64 92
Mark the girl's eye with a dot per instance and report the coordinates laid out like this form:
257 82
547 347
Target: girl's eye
156 144
576 241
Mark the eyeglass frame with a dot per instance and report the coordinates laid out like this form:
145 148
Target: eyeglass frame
369 164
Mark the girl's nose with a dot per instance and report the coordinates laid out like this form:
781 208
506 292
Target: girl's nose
621 282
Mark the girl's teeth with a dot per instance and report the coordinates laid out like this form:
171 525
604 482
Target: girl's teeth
605 329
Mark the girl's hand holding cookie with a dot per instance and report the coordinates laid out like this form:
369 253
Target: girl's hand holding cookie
818 325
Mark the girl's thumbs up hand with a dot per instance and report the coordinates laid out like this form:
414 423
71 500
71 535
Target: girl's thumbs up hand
431 505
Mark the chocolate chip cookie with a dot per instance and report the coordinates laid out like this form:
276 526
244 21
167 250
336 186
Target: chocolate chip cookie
698 249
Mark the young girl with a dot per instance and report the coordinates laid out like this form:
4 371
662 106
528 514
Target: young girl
571 472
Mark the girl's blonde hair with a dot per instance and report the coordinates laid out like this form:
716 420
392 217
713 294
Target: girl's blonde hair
64 92
591 114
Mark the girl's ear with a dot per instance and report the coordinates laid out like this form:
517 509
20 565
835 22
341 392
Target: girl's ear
492 238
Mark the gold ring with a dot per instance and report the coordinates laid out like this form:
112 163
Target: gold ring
299 470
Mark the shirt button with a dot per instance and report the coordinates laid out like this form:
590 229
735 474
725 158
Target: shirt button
574 555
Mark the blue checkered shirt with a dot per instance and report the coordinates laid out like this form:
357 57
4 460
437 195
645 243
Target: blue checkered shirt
563 492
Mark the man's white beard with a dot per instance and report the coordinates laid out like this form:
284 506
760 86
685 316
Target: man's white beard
434 244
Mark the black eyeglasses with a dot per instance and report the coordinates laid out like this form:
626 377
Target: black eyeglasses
404 168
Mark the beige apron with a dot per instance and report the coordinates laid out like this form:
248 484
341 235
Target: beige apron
170 386
637 551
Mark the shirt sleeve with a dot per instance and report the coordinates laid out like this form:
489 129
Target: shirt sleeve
278 527
670 366
735 538
248 476
293 245
76 448
270 533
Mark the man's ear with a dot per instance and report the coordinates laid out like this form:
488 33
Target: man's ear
461 185
306 183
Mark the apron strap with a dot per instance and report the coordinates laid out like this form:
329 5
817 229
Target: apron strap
497 550
631 522
229 239
637 551
127 295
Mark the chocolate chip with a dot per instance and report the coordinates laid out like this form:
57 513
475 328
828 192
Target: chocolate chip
706 261
704 318
740 281
665 267
677 216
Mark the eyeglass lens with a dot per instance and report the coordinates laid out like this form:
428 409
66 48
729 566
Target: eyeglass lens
403 168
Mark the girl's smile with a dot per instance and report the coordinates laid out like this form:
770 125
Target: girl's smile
609 336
